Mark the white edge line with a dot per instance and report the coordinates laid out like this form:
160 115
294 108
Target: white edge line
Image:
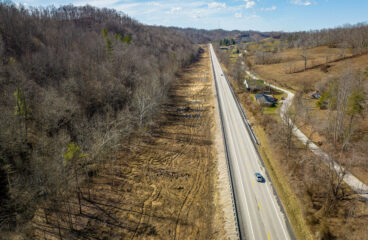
242 186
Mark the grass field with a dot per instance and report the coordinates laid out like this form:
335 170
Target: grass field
308 81
265 44
298 81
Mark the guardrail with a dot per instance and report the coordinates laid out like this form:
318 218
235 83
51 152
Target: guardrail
255 142
243 114
226 153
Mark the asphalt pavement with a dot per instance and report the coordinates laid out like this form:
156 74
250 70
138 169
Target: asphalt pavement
260 215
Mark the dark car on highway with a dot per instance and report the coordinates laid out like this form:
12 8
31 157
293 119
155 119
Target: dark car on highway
259 177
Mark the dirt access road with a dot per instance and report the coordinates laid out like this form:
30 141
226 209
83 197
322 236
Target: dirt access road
162 184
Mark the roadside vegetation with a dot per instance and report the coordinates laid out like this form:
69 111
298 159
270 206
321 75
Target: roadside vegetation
160 183
332 64
76 83
318 203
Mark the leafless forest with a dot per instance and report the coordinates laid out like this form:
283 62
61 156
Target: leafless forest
347 36
74 81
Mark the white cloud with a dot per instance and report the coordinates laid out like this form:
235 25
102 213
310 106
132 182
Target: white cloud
251 17
301 2
216 5
273 8
249 3
154 4
174 10
189 13
238 15
196 14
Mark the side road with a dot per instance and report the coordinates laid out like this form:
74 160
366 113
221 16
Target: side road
350 179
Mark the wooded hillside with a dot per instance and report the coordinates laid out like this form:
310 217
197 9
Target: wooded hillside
205 36
74 81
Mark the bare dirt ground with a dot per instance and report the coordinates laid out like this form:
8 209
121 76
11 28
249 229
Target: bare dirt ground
162 184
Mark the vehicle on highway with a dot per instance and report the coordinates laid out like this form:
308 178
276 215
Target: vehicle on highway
259 177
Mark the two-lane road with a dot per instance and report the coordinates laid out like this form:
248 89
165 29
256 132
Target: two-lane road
259 214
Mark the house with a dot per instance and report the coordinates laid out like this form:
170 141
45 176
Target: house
315 95
266 100
271 98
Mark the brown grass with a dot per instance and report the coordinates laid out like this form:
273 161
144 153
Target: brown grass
305 210
292 204
317 55
307 81
161 185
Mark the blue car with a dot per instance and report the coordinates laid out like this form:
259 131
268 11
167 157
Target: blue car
259 177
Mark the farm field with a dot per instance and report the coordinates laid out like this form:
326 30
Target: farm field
315 124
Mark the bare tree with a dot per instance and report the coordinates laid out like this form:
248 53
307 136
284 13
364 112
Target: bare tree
305 56
287 129
343 49
335 187
237 71
63 81
355 106
353 35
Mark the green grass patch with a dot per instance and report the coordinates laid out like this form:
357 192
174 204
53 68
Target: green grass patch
232 60
264 45
270 110
255 82
253 97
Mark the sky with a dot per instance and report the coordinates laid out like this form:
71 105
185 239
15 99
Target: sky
261 15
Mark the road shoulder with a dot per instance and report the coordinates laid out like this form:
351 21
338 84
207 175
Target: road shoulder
223 190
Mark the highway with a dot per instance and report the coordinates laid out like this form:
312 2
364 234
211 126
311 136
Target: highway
258 211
